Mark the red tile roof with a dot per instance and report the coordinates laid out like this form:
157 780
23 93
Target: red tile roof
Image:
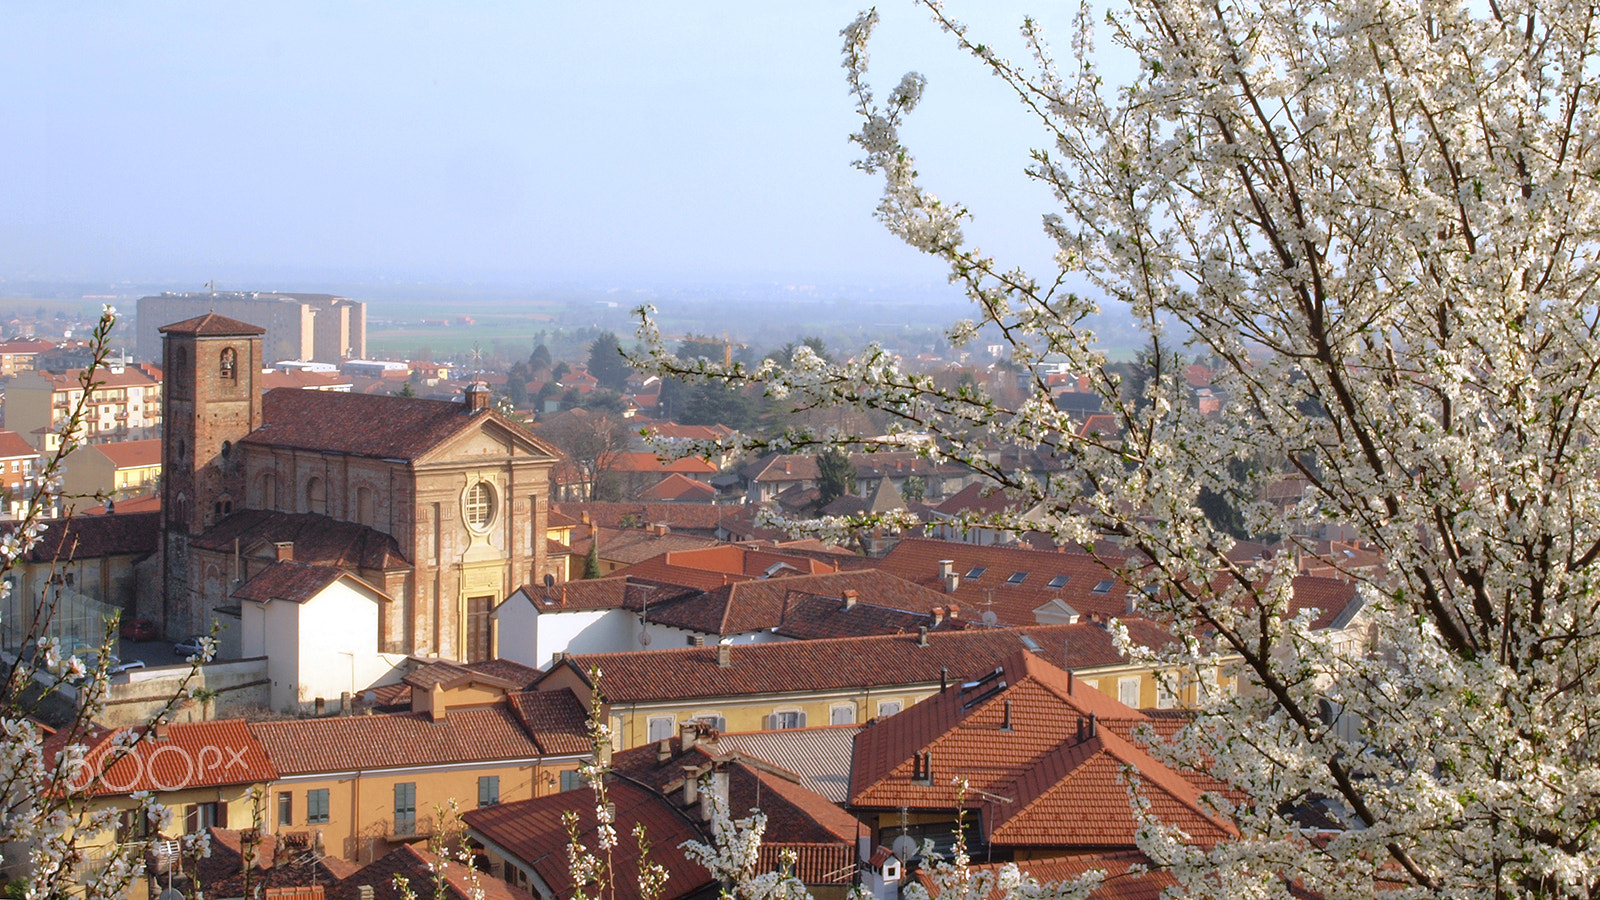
14 446
417 866
132 454
83 537
211 324
317 540
556 719
532 832
196 754
711 567
294 581
917 560
834 664
678 487
761 605
1128 875
615 592
963 728
383 427
344 743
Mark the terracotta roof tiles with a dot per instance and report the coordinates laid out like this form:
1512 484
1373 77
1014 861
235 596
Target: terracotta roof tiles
211 324
318 540
343 743
296 582
557 721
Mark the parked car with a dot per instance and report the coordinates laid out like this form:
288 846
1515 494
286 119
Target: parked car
192 645
138 630
114 666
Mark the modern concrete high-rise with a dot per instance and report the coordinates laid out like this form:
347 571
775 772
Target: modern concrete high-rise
308 327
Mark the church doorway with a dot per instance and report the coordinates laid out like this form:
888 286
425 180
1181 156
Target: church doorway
478 609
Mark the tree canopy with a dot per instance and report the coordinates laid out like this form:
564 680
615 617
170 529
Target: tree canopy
607 364
1380 222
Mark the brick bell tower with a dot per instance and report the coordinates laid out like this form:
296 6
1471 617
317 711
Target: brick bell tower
209 369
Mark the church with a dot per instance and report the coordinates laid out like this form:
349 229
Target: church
439 505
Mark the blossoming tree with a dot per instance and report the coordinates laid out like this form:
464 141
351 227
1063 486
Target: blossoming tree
1380 220
52 837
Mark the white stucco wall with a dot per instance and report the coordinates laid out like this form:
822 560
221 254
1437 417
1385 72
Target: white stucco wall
532 638
321 648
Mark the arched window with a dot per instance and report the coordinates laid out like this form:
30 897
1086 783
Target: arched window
180 358
269 490
366 514
478 505
229 365
316 496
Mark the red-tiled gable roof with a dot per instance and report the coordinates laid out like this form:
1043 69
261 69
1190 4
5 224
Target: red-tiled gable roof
807 617
87 537
344 743
964 730
759 605
679 488
1077 796
195 754
288 580
318 540
417 866
635 545
644 461
783 467
132 454
532 832
599 593
383 427
23 345
1013 602
449 675
700 518
1101 425
556 719
14 446
833 664
981 500
1128 875
711 567
1331 596
509 671
211 324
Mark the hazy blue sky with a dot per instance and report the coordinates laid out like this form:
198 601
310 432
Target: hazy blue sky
600 143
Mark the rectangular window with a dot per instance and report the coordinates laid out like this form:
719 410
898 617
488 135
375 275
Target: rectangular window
1104 587
488 790
198 817
788 718
1017 578
317 807
889 708
660 728
1165 699
1059 581
976 571
1128 691
285 808
405 807
571 780
844 714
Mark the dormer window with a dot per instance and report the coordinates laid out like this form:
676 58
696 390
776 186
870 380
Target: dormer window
228 367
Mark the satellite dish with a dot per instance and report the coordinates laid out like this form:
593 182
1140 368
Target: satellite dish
904 847
549 580
644 638
170 894
370 698
989 618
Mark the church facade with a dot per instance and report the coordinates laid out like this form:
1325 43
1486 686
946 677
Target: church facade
440 505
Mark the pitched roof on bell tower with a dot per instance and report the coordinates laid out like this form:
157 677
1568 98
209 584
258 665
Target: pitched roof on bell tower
210 325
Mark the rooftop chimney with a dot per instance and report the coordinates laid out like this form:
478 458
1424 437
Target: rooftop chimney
659 529
688 733
938 615
947 567
951 582
284 550
1131 605
1006 725
850 599
922 636
691 786
724 656
476 397
664 750
955 611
